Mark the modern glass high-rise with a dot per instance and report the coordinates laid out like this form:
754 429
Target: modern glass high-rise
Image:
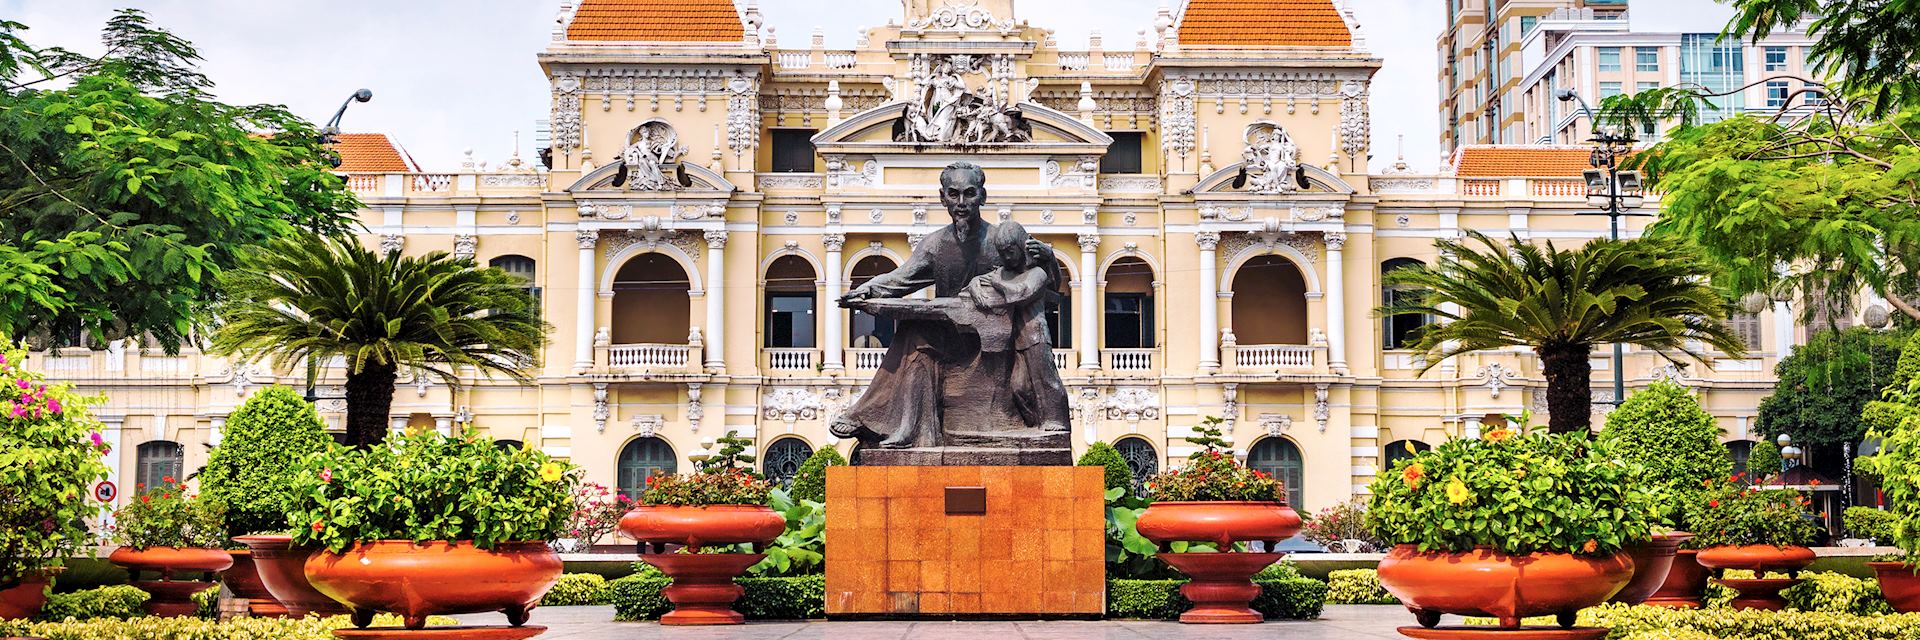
1716 65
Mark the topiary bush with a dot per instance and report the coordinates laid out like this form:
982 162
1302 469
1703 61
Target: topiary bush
117 602
810 482
577 589
266 436
1763 460
1357 586
1119 475
638 597
1867 522
1664 429
1287 598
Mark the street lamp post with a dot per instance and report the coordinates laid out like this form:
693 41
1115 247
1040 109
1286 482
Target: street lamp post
1614 193
327 136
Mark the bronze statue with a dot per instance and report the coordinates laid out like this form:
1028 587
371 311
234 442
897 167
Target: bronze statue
969 378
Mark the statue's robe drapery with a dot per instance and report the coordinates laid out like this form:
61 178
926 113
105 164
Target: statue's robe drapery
1020 302
932 372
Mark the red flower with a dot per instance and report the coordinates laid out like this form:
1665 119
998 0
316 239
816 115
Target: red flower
326 475
1713 503
319 526
166 479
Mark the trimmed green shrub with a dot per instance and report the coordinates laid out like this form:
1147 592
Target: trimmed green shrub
1868 522
638 597
1357 586
1763 460
1664 429
1280 599
1101 454
1751 624
1282 570
118 602
1837 593
191 628
810 482
576 589
266 436
1669 634
209 603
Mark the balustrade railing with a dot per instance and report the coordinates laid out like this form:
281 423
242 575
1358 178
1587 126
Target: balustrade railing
1128 359
649 356
865 359
789 359
1273 356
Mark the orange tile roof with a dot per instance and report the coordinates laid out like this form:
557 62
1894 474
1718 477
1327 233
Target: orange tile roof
1263 23
1520 161
656 21
371 153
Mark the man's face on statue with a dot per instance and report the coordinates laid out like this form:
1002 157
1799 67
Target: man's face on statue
962 192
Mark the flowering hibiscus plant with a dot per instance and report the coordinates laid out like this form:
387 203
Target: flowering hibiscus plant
1731 515
1211 474
169 515
428 487
720 480
51 455
1516 491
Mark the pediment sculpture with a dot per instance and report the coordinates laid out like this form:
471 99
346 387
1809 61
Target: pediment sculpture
1272 160
651 159
944 110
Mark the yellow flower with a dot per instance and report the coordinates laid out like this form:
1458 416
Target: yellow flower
1497 435
1457 492
552 471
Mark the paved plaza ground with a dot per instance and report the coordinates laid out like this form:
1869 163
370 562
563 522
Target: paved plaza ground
596 623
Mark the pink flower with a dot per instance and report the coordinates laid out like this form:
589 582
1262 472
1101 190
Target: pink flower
98 441
326 475
53 405
22 383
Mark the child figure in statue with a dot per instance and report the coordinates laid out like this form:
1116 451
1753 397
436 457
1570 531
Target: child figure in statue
1019 291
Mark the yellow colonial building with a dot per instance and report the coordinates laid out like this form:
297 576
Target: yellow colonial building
711 191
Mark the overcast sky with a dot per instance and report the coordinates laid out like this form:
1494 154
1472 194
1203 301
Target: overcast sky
449 75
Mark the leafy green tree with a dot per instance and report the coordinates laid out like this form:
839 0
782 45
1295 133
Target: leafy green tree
127 192
1763 460
1118 474
810 482
1825 386
310 297
1644 292
1664 429
1885 414
270 432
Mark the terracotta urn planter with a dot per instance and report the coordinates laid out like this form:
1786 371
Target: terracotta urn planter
1220 584
1758 592
171 598
1899 584
282 571
243 579
1485 582
703 591
25 600
1652 561
1685 585
436 578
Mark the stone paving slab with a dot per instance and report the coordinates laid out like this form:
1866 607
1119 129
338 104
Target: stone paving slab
1360 622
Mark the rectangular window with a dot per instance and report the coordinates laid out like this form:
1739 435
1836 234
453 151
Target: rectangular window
1815 98
1609 58
793 150
1060 321
1129 320
1609 89
1646 59
1123 156
1776 58
789 319
1526 25
1717 67
1646 86
1776 93
1747 326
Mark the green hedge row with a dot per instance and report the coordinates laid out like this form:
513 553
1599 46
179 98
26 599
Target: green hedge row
117 602
1287 598
150 628
1357 586
577 589
639 597
1632 622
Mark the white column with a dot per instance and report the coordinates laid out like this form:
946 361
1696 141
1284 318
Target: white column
1209 302
444 425
1782 329
1336 302
1089 302
583 313
397 424
218 430
830 307
1470 428
716 299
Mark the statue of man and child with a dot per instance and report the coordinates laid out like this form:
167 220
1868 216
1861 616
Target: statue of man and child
969 377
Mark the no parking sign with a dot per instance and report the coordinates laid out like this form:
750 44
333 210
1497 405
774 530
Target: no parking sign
105 491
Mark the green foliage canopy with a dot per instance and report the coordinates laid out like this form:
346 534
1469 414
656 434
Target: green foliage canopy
270 433
810 482
1825 384
1663 429
1118 474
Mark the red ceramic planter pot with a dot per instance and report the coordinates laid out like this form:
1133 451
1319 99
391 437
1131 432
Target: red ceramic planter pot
1759 558
719 524
1222 522
1484 582
171 597
1652 561
436 578
703 590
1899 584
282 568
25 600
244 580
1686 582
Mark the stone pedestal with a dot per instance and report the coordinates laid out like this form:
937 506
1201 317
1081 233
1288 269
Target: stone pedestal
901 545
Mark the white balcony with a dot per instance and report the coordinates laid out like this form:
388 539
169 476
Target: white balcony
1063 359
790 359
650 356
1128 359
865 359
1273 356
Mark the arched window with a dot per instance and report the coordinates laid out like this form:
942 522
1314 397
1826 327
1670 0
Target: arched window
158 460
521 267
1397 451
1269 302
641 458
1740 451
782 460
650 301
790 304
1281 458
1140 457
868 331
1397 332
1129 304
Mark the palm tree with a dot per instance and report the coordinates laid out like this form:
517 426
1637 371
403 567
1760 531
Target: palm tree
316 297
1649 292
